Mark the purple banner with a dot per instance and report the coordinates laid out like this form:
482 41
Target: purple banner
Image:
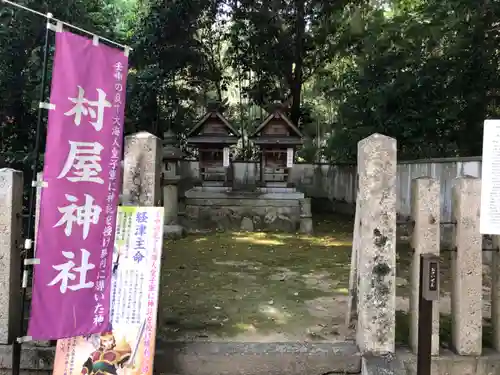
71 285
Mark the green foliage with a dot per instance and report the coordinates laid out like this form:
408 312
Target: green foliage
177 63
21 47
284 43
424 72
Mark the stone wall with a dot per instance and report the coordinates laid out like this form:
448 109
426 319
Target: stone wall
341 181
242 211
338 182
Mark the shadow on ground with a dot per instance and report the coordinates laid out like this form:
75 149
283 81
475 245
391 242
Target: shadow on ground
257 286
265 287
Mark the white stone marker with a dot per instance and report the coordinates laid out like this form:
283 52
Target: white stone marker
377 159
466 266
425 211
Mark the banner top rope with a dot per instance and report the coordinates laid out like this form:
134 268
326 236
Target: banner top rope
49 16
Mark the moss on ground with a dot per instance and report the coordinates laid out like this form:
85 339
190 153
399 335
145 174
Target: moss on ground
230 284
273 286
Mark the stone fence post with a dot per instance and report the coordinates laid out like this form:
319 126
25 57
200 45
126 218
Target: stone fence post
142 170
306 223
466 267
171 155
376 308
425 212
11 203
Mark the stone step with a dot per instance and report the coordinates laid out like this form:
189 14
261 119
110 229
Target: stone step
230 358
224 358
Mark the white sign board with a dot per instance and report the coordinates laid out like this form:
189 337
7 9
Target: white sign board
225 157
128 347
289 157
490 176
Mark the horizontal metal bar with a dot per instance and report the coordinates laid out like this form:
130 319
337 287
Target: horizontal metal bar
412 222
454 249
454 222
405 222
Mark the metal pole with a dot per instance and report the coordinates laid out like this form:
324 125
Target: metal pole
28 247
424 324
67 24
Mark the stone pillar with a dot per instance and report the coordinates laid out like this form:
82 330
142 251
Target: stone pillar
171 157
11 203
377 156
306 222
142 170
290 159
466 267
226 163
425 211
170 200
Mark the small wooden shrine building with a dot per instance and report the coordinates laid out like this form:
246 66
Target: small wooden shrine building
212 136
278 139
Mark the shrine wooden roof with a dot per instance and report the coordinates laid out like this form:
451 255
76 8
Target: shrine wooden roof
278 115
213 115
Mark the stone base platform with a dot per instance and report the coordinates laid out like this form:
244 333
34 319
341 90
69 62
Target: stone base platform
225 358
280 358
173 232
265 209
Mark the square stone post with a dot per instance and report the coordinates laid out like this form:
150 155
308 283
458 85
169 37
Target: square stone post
466 267
142 170
170 199
171 156
425 212
377 158
226 163
306 222
11 203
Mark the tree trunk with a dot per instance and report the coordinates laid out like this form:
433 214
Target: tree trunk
296 88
